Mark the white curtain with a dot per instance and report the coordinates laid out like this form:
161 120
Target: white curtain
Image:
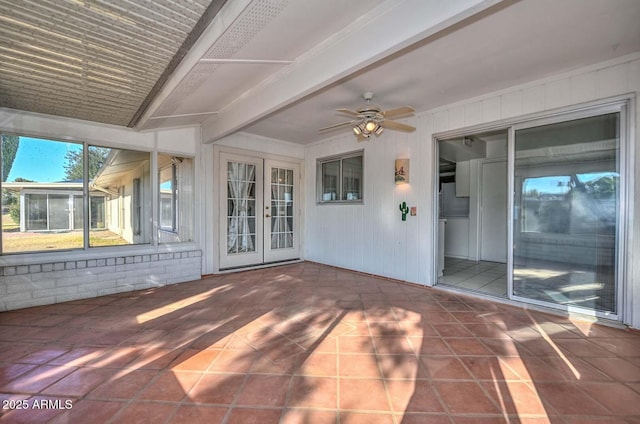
240 181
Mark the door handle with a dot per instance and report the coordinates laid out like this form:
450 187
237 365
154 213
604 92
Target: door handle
267 216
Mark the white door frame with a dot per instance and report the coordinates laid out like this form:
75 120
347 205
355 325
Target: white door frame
625 105
263 252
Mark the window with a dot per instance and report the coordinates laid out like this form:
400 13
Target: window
121 215
340 178
46 196
168 198
137 207
175 197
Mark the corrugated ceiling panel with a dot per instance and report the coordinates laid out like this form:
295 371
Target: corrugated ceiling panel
89 59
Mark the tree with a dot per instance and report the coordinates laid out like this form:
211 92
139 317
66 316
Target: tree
73 168
9 149
603 188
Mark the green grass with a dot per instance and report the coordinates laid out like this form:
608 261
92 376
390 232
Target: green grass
32 242
8 224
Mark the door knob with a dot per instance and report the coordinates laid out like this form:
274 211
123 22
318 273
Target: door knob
267 216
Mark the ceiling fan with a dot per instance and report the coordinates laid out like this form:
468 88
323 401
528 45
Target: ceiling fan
372 120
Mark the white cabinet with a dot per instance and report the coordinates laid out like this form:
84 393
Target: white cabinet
457 238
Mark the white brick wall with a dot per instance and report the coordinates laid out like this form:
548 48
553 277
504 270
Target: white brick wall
24 286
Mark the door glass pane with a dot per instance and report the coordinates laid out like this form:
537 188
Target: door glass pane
59 212
567 184
78 206
36 211
97 212
241 210
281 207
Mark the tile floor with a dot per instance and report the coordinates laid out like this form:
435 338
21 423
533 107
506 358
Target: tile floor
567 283
481 276
307 343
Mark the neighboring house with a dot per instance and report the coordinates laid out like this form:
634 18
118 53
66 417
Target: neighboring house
221 166
56 206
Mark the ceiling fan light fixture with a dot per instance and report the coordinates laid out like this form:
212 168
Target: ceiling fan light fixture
370 126
369 119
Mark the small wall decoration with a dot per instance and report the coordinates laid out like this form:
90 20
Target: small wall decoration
404 209
402 171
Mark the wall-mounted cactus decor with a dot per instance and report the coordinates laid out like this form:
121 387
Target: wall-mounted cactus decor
404 209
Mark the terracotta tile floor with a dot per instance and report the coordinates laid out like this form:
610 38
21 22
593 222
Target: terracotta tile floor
307 343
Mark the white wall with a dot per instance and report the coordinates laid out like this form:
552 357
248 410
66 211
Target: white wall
372 238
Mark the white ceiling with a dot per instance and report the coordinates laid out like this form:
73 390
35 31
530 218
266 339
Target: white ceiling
280 68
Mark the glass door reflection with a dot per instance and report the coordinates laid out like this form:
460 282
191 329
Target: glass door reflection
565 216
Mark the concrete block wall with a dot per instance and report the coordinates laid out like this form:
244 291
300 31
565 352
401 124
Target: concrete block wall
24 286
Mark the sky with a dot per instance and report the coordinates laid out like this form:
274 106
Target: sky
41 160
550 184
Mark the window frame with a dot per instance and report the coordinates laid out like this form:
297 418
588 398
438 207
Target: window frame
340 195
173 199
86 199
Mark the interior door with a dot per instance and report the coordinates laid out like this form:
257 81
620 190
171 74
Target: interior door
493 224
259 203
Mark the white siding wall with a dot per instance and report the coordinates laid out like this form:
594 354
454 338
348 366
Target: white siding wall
372 238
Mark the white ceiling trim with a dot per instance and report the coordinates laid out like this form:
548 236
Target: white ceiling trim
387 29
183 115
247 61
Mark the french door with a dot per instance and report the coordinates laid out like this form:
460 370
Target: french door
259 219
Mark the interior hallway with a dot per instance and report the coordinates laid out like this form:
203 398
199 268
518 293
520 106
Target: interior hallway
308 343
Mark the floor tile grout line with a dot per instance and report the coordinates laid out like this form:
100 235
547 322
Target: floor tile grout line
449 302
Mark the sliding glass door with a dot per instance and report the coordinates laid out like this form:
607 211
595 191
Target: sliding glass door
566 212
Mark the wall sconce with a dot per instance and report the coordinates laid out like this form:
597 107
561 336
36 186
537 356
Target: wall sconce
402 171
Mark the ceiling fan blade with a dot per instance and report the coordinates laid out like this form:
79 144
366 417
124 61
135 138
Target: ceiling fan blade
398 112
342 124
347 112
393 125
